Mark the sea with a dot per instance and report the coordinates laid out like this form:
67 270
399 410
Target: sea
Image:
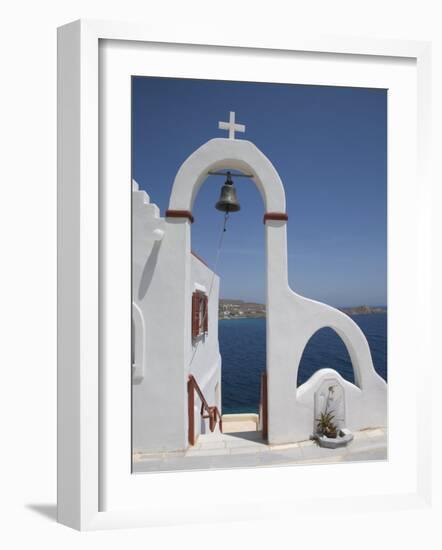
243 351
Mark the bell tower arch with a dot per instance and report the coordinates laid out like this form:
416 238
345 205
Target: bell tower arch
219 154
291 319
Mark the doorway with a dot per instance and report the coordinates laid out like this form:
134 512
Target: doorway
242 304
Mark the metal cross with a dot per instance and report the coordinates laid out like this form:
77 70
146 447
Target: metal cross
231 126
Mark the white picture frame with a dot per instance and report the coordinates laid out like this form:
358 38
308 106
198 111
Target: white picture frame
81 441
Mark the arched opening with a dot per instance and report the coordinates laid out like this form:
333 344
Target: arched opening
138 344
242 156
325 349
241 268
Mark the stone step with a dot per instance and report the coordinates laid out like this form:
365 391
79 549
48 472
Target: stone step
243 422
216 441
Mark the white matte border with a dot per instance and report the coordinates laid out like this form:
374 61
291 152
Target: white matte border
118 62
255 499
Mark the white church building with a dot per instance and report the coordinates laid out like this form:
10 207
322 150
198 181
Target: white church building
176 362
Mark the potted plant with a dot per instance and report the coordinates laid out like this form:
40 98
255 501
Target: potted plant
326 426
328 433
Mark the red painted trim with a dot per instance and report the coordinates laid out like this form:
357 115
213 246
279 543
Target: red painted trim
179 214
280 216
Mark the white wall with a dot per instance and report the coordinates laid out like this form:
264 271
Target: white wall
205 364
291 322
161 323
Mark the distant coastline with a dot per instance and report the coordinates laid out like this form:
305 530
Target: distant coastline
239 309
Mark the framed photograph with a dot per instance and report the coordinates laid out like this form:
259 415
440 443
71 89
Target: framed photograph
241 270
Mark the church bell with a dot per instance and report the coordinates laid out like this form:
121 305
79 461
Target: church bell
228 201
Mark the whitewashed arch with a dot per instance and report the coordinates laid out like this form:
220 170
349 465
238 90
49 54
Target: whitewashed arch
315 316
339 337
235 154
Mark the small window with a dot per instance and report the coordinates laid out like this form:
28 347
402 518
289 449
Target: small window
200 314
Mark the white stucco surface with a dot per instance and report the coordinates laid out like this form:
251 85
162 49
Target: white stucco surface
205 363
164 275
246 450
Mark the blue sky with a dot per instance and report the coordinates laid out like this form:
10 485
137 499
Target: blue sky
329 146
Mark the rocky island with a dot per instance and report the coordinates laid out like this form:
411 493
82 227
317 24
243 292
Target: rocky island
363 310
239 309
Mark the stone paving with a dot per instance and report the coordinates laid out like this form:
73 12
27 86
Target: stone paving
247 449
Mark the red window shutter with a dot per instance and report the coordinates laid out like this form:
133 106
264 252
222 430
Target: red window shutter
206 313
195 314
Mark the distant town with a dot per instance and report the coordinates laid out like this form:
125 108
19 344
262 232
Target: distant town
236 309
239 309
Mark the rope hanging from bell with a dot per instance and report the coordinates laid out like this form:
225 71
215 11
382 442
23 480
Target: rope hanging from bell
226 217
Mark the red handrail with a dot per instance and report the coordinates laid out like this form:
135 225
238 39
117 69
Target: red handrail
213 413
